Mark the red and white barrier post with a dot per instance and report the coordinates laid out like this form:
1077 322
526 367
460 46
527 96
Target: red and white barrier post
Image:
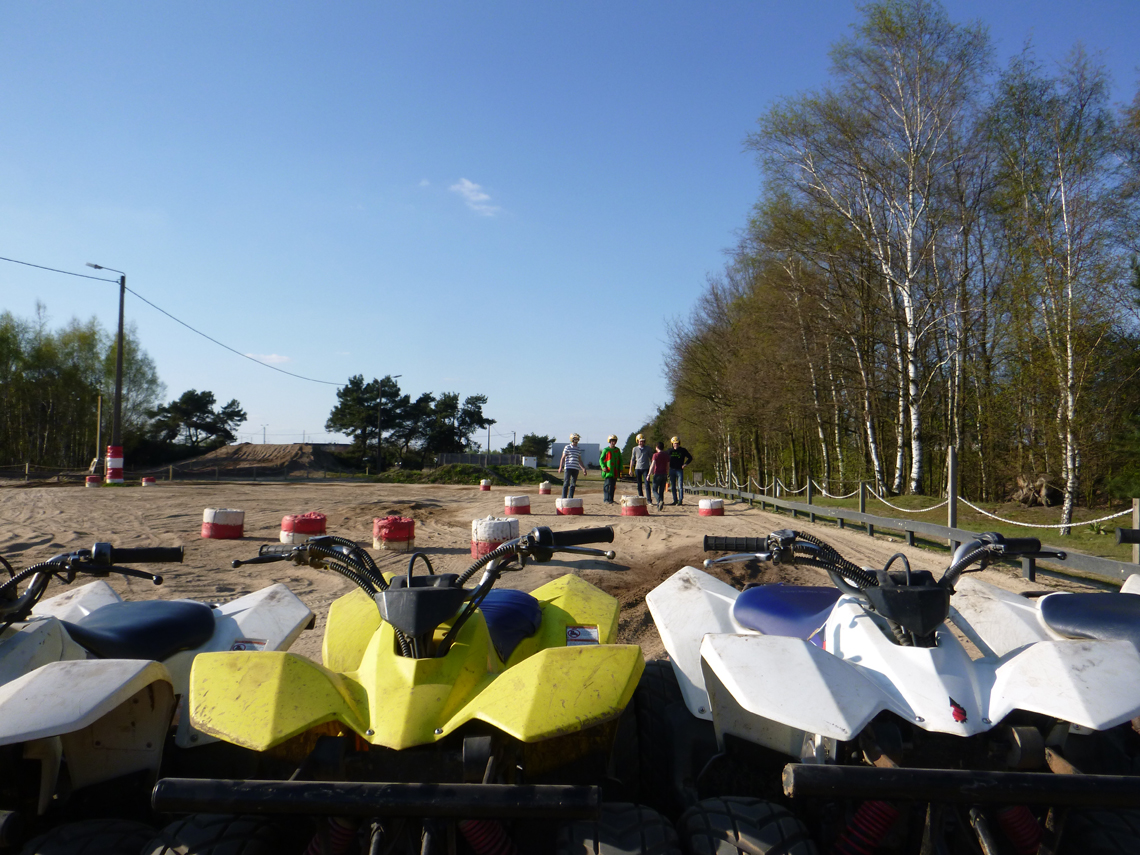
114 464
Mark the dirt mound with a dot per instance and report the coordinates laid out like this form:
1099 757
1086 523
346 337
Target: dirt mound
295 457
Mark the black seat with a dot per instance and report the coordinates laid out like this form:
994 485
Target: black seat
1107 617
155 629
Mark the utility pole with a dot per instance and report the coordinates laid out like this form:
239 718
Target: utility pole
115 449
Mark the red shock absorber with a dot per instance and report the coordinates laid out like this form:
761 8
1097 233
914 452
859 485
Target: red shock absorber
487 837
1022 829
340 836
866 829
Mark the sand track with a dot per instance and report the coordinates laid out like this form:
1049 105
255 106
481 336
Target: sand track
38 522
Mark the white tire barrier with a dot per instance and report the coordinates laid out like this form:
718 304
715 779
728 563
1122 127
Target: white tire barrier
395 533
516 505
634 506
114 464
297 528
544 488
568 507
490 533
711 507
93 481
148 482
485 485
223 523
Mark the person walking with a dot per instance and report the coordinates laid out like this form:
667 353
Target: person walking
639 460
679 458
659 471
610 463
572 462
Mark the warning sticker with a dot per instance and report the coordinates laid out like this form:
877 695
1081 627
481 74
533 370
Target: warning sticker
248 644
578 635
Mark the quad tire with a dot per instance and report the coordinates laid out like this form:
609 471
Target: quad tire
92 837
1091 831
731 826
223 834
621 829
672 744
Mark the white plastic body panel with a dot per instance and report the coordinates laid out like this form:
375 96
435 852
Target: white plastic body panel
779 691
685 607
76 603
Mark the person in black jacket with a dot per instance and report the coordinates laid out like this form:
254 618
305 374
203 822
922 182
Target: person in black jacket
679 458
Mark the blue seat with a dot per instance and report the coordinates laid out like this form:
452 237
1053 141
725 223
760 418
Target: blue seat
1107 617
154 629
511 616
796 611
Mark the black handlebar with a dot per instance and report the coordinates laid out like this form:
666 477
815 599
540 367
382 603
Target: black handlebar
1128 535
577 537
1020 545
148 555
735 544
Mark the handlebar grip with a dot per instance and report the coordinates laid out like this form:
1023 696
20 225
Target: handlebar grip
1128 535
276 549
577 537
735 544
148 555
1018 545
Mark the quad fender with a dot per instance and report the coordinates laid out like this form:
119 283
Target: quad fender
1001 620
62 697
269 619
76 603
34 645
105 717
685 607
772 690
261 700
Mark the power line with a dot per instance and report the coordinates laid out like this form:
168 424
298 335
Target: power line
176 320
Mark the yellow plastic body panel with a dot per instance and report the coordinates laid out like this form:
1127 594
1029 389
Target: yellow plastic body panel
546 689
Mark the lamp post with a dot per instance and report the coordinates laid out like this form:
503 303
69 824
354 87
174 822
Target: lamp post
115 449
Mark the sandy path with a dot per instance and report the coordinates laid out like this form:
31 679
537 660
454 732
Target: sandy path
38 522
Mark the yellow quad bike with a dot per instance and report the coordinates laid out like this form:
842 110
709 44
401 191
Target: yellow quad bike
444 719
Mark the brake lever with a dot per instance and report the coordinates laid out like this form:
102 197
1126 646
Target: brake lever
587 550
738 558
260 559
138 574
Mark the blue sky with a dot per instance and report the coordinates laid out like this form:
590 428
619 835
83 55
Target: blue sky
507 198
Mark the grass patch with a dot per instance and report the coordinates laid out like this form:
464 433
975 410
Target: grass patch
467 473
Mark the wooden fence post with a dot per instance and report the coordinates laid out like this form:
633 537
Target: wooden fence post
810 496
952 492
863 507
1136 524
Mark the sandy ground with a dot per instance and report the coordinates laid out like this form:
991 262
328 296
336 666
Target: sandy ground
39 522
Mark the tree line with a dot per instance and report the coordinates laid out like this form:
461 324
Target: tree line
387 426
943 254
51 382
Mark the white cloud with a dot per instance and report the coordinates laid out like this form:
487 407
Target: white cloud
425 183
269 358
477 200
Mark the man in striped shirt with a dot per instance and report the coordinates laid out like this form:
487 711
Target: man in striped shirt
572 462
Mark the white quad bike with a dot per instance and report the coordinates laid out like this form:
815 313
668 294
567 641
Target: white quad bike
896 713
90 684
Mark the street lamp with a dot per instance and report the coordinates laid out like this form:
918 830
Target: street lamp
115 449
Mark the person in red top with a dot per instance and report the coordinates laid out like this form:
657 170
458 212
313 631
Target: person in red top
659 472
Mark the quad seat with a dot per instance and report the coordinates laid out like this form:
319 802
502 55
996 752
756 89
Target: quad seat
511 616
1107 617
796 611
155 629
